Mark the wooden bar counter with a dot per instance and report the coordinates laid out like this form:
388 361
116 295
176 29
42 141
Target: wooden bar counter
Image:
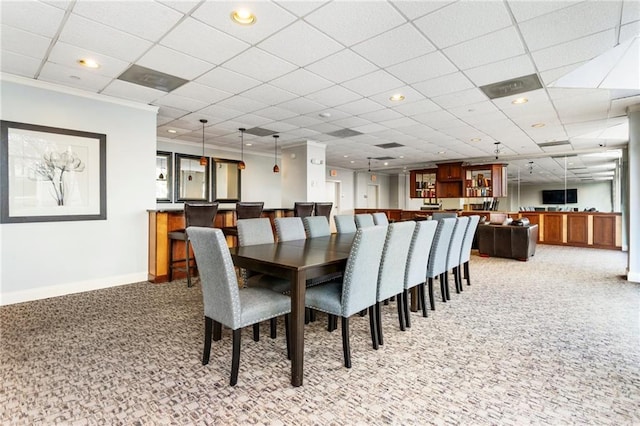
163 221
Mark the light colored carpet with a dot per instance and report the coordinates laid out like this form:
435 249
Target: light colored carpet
555 340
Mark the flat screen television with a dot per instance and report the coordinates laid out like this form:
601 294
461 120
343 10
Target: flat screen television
556 196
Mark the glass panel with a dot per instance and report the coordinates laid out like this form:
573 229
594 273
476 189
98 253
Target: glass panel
227 180
192 179
163 177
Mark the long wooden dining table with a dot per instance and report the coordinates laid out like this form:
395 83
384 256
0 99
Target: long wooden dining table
297 261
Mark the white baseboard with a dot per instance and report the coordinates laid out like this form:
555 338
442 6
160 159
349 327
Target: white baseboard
69 288
633 276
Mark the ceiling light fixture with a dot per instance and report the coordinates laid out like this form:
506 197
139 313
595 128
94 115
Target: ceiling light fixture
369 163
397 97
530 167
520 101
475 140
203 159
325 114
276 169
497 150
241 165
172 131
243 17
89 63
538 125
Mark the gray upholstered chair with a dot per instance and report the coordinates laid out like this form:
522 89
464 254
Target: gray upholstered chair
290 228
380 218
465 251
345 223
195 214
443 215
392 269
455 246
302 209
225 303
363 220
356 291
244 210
417 261
323 209
316 226
437 265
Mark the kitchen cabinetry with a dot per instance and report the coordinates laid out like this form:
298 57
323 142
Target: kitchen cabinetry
449 172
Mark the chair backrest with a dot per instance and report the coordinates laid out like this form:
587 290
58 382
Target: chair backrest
302 209
443 215
255 231
363 220
290 228
465 251
316 226
361 273
345 223
455 245
249 210
440 247
418 257
200 214
220 292
394 259
323 209
380 218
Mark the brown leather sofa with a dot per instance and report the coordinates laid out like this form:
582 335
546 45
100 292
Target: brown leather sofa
514 242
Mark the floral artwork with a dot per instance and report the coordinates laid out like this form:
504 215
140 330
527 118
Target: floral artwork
53 167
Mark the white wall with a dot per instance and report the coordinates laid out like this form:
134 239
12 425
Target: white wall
597 194
347 188
362 180
39 260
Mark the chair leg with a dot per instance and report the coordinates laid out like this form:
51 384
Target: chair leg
256 332
405 308
445 282
186 262
423 299
400 304
379 323
442 290
274 326
330 319
373 327
363 312
208 325
455 279
459 271
217 331
235 357
432 301
287 330
307 315
466 272
312 315
345 342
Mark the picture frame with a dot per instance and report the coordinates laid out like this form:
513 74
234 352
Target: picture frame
192 179
50 174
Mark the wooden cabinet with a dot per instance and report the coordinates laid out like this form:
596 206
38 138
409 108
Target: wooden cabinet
423 183
486 181
604 231
449 172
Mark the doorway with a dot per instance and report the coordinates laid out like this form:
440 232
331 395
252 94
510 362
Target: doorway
372 196
333 194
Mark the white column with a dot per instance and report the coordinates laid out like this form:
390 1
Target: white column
303 173
633 195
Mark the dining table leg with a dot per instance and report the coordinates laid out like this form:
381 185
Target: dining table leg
297 327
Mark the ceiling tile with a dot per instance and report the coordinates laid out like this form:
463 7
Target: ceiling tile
334 96
629 31
381 115
630 11
416 9
173 113
102 39
397 45
301 106
32 16
196 39
126 90
336 20
376 82
442 85
415 108
13 63
465 97
260 65
398 123
301 8
172 62
180 102
145 19
23 42
434 117
243 104
201 92
316 44
410 96
67 55
525 10
224 79
219 113
73 77
423 68
275 113
253 120
183 6
500 71
360 106
582 49
458 22
269 95
301 82
344 65
550 76
483 50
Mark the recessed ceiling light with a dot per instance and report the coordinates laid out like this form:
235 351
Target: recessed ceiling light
345 156
386 163
538 125
243 17
352 161
248 144
402 156
397 97
441 152
476 140
89 63
325 114
520 101
172 131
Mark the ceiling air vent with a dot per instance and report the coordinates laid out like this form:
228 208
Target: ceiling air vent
259 131
554 143
389 145
151 78
512 87
344 133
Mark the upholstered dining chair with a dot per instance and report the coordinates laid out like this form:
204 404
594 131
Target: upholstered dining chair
417 261
323 209
345 223
380 218
392 269
316 226
290 228
443 215
195 214
453 254
437 265
225 303
465 251
363 220
244 210
302 209
356 291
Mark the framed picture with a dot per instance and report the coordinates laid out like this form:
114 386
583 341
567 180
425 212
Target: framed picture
51 174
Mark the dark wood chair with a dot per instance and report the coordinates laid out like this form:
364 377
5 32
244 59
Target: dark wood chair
323 209
195 214
302 209
244 210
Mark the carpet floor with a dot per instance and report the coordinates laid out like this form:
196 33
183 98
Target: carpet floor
555 340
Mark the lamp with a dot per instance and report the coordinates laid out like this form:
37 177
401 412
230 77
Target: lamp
369 164
203 159
530 167
241 165
162 169
497 150
276 169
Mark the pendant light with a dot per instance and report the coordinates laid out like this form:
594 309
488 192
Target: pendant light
241 165
203 159
162 169
276 169
497 150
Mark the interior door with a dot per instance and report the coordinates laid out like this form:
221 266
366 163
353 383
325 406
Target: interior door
372 196
333 194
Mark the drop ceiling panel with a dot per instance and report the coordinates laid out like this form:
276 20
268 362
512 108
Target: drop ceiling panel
301 8
415 108
579 50
398 123
73 77
376 82
13 63
334 96
501 70
220 112
34 17
435 117
24 42
342 66
67 55
525 10
259 64
302 121
173 113
275 113
183 6
381 115
302 106
253 120
243 104
397 45
361 106
180 102
449 83
172 62
464 97
416 9
126 90
423 68
201 92
494 47
224 79
268 94
410 97
550 76
301 82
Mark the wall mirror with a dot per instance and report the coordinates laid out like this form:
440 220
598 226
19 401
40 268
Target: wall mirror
163 177
227 180
192 178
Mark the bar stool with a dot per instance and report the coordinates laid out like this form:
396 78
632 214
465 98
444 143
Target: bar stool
302 209
323 209
200 214
244 210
